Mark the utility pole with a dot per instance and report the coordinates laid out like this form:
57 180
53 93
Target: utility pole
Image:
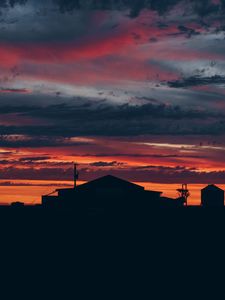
184 193
75 175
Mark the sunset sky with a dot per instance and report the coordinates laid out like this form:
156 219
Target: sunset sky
129 88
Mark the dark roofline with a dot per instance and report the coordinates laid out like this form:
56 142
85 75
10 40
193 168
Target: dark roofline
66 189
155 192
110 176
113 177
212 186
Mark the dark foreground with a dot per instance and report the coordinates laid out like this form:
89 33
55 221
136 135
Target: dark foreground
113 256
168 227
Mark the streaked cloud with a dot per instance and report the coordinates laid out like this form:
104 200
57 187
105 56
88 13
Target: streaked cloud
134 88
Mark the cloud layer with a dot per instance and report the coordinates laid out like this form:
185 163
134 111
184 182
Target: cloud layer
132 88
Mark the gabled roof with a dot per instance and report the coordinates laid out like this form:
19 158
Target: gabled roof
212 187
110 181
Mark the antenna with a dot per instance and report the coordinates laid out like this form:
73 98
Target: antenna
75 175
184 193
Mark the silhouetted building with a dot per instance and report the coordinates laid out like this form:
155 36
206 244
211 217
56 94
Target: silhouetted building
108 193
212 196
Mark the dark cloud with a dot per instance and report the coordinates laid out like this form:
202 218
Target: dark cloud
106 120
202 7
6 153
11 3
45 173
160 174
34 159
122 120
135 155
135 6
205 7
49 116
106 164
223 4
41 22
189 32
9 90
35 139
196 81
11 183
157 174
115 112
35 163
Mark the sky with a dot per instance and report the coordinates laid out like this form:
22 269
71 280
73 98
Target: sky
129 88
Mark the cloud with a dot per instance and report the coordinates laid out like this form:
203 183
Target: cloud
38 162
202 7
75 74
34 159
11 183
10 90
196 81
156 174
189 32
106 164
11 3
45 173
68 123
135 155
36 138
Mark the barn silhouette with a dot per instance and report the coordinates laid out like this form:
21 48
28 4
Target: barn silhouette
108 193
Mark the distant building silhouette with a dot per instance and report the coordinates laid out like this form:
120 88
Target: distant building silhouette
17 204
108 193
212 196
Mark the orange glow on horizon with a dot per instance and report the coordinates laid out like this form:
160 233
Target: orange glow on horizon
31 195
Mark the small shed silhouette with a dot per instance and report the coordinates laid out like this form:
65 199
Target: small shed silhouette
212 196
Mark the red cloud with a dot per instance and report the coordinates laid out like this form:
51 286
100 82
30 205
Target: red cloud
18 91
